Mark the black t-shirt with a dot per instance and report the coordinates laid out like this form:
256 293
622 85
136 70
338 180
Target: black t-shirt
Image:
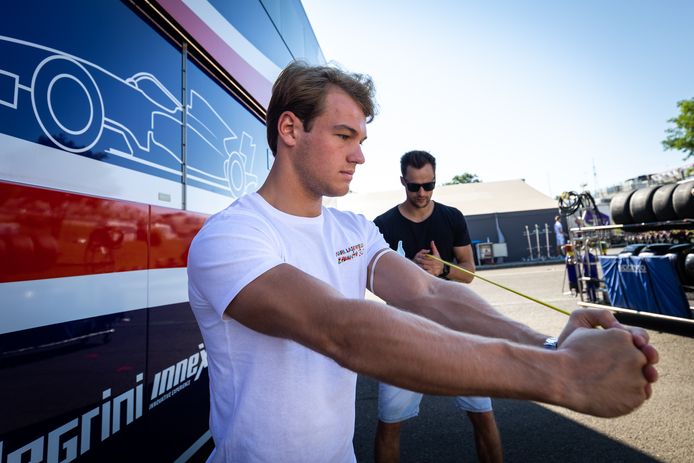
446 226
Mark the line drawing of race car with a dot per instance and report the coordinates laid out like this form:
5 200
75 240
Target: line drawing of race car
82 107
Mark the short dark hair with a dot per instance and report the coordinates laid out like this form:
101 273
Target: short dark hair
301 88
416 159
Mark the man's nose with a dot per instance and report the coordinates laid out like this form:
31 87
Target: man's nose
357 156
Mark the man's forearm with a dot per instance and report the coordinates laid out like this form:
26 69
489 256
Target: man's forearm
461 276
397 347
458 307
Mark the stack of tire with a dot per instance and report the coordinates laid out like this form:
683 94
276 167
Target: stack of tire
674 201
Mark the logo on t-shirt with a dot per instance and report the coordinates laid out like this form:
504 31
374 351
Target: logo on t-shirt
343 255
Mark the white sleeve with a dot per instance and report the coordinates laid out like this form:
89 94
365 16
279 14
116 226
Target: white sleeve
376 247
228 254
375 241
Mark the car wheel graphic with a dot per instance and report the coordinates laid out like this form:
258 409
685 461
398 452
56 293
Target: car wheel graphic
236 174
67 104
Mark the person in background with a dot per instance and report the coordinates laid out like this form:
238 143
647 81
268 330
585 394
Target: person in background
560 235
277 284
419 226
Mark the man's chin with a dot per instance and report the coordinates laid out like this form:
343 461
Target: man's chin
336 193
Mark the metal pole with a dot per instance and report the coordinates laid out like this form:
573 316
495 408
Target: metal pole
184 127
537 240
530 245
547 239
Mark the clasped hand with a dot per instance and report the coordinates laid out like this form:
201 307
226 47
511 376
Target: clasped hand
614 367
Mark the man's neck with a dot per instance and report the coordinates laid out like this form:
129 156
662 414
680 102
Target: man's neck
283 195
416 214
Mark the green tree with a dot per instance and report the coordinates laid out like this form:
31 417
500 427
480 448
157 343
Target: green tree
464 178
681 137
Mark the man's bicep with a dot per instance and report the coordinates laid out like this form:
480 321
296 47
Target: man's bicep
287 303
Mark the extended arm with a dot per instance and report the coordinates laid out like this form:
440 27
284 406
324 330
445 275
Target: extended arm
412 352
458 307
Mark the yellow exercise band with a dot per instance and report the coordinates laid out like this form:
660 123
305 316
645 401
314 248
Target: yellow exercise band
499 285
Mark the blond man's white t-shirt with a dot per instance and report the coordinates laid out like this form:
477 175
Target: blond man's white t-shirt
273 399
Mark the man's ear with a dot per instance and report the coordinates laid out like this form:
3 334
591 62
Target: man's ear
288 127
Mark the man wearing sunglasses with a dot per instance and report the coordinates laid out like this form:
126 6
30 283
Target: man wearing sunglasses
417 227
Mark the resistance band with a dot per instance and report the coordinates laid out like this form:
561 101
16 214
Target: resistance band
499 285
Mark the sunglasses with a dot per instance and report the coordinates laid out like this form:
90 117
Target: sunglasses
414 187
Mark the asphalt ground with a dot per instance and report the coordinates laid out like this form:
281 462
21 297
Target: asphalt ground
662 430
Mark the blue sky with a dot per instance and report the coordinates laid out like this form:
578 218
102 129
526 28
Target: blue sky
540 90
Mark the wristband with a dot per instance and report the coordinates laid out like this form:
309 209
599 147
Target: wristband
446 271
550 343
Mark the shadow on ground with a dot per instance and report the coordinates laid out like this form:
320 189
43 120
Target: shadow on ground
529 432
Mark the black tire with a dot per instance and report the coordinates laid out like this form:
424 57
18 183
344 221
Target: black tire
689 269
641 205
657 249
662 202
619 207
678 254
683 200
632 249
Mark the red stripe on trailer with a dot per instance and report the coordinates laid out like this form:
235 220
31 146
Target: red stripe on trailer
51 234
171 233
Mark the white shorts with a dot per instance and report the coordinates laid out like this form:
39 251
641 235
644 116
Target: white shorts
396 404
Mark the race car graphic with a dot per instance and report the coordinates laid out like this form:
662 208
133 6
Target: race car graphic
73 104
219 140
